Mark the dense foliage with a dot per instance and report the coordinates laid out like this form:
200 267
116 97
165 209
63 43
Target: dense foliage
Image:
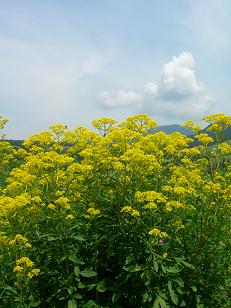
118 218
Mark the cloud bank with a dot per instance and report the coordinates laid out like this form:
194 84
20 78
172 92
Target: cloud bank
177 95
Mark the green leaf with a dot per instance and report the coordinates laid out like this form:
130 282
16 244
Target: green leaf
78 296
81 286
164 269
70 290
79 238
90 304
132 268
10 289
72 258
88 273
173 269
76 271
160 303
185 263
194 288
179 281
101 287
115 297
172 293
72 304
91 286
156 267
145 297
129 259
35 304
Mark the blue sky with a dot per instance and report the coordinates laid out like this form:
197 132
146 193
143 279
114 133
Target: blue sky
74 61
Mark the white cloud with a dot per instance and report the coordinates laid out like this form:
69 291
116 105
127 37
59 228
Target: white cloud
179 94
178 78
151 87
121 99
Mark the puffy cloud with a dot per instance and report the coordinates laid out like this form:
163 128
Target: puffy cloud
178 78
179 94
121 99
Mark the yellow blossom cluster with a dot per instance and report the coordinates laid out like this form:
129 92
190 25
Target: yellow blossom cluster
129 210
140 185
150 196
155 232
93 211
24 268
21 241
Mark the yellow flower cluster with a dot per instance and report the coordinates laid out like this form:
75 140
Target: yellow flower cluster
139 123
103 125
21 241
3 238
155 232
204 138
191 125
70 217
218 122
9 204
24 268
129 210
151 206
63 202
93 211
150 196
171 205
143 177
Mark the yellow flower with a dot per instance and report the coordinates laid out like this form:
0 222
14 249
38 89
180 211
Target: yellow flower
24 261
51 206
204 138
151 206
178 224
70 217
157 233
20 240
165 254
18 269
92 211
33 273
129 210
63 202
154 232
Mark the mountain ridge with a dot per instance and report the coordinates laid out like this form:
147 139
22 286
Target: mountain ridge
168 129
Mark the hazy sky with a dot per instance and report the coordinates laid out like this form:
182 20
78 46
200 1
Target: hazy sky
74 61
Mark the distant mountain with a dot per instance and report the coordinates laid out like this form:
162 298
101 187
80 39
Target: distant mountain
169 129
17 143
226 134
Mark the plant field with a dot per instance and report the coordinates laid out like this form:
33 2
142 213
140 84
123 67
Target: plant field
116 217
